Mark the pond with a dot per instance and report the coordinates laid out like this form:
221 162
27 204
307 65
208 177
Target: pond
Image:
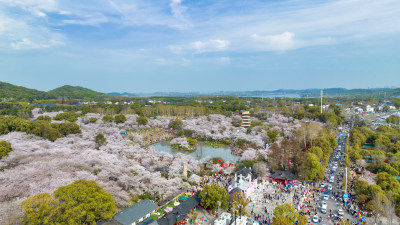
202 151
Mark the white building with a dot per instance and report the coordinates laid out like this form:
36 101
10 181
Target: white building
245 180
368 108
224 219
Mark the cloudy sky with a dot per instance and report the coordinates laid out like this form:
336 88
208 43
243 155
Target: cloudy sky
192 45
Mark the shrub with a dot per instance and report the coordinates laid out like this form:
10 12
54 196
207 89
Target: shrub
176 124
67 128
100 140
5 148
45 118
92 119
107 118
69 116
141 120
120 118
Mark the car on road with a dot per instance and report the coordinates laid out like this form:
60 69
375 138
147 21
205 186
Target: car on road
327 192
330 187
331 180
326 197
340 212
315 219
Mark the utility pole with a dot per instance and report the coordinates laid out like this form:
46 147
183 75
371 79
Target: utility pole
321 99
345 190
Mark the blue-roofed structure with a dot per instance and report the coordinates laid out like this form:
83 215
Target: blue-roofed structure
135 214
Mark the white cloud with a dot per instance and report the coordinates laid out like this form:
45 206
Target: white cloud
20 35
210 45
176 8
224 60
175 49
286 41
27 44
280 42
213 45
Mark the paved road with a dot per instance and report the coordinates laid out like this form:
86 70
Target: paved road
334 204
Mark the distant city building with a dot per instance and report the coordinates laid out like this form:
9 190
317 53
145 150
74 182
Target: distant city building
368 108
246 122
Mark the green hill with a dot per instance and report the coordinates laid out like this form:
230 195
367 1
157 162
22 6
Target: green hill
14 92
75 92
10 91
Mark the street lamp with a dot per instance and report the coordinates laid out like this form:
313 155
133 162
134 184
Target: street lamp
240 210
234 211
219 204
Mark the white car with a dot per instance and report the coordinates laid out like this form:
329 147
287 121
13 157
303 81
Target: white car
326 197
331 180
340 212
315 219
330 187
322 185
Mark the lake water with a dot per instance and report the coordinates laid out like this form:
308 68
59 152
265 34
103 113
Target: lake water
202 151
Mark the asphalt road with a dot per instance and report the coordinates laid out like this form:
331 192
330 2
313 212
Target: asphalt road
332 204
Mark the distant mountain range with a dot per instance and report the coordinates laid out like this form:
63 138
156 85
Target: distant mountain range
9 91
329 92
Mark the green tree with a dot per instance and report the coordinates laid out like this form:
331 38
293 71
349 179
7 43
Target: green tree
281 220
5 148
309 167
273 135
288 211
393 119
241 142
211 194
176 124
92 119
84 202
70 116
100 140
192 142
40 209
120 118
45 118
67 128
317 151
141 120
238 198
302 220
107 118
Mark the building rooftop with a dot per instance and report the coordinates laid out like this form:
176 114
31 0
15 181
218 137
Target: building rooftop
133 213
180 212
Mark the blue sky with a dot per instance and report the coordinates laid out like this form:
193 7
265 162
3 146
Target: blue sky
203 46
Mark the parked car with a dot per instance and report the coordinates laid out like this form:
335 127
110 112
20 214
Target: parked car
315 219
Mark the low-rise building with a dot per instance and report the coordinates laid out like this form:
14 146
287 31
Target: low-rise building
179 213
136 213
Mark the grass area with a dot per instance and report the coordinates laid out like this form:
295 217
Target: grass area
214 144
